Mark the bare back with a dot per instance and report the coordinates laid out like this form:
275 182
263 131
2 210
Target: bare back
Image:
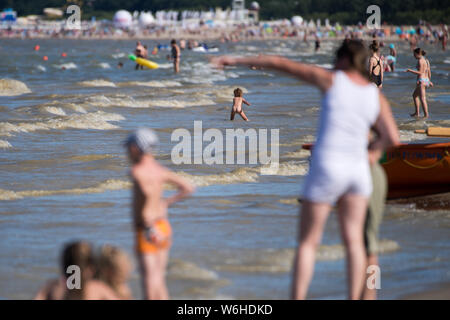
237 104
423 68
148 186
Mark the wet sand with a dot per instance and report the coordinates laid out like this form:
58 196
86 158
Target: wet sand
441 293
432 202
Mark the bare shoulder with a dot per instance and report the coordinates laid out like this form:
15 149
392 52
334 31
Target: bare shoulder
52 290
97 290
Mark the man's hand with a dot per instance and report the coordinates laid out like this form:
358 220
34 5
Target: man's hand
153 235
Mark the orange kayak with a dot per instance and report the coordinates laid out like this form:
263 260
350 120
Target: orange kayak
416 169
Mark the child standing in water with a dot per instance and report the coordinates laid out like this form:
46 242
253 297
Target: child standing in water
423 81
237 105
392 57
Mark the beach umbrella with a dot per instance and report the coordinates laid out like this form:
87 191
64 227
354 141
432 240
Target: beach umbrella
146 18
122 19
297 21
255 6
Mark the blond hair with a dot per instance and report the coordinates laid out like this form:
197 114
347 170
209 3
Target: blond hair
110 268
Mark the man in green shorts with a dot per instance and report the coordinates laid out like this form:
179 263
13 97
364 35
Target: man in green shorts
373 221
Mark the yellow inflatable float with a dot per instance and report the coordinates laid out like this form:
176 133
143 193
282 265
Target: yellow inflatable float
143 62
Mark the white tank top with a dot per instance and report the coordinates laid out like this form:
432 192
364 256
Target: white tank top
348 112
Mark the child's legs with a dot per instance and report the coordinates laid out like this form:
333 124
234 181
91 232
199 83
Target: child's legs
242 114
423 99
233 113
312 222
352 211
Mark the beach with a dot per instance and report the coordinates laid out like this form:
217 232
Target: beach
64 173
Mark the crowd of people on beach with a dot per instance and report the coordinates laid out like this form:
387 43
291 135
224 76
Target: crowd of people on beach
232 32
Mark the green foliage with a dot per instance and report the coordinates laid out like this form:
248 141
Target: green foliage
343 11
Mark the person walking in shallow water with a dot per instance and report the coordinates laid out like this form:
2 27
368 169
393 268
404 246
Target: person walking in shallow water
423 81
237 105
350 107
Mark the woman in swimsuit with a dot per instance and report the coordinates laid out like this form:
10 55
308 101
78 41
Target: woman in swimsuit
376 70
423 81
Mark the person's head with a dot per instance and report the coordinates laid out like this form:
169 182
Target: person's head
352 55
419 53
173 42
113 266
238 92
142 141
375 47
392 46
120 65
78 253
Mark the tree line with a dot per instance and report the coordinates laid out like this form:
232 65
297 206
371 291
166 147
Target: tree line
342 11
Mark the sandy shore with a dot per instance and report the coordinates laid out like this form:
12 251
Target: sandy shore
440 293
432 202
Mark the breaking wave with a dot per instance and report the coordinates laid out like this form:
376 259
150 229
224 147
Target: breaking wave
97 83
109 185
5 144
10 87
95 121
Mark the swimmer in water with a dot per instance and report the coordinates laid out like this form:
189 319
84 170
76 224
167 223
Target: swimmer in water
139 52
152 228
423 81
317 44
237 105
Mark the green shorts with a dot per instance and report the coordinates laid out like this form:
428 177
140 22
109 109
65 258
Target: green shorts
376 209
